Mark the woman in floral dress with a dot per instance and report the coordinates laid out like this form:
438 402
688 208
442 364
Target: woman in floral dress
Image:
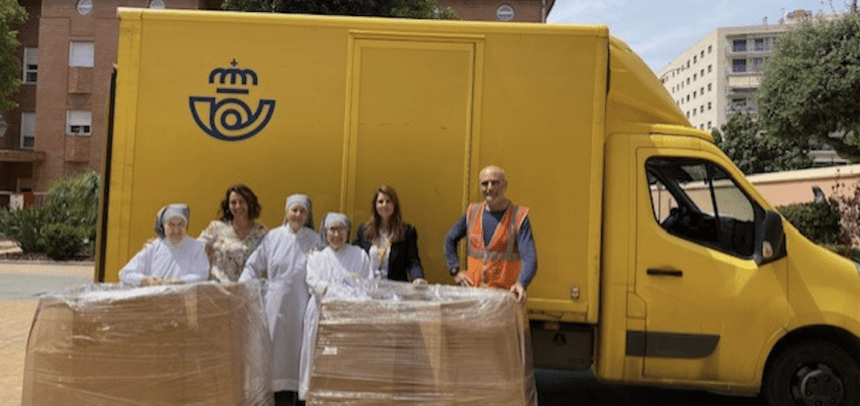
231 239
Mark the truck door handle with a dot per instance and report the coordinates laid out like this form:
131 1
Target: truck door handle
665 272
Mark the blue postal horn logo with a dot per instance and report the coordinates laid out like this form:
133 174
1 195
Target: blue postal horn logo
229 117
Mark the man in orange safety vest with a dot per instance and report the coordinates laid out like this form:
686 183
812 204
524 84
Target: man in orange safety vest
501 249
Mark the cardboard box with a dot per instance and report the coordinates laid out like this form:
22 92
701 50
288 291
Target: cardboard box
392 343
197 344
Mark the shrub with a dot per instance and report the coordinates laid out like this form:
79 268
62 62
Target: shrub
846 200
75 201
25 226
817 221
63 241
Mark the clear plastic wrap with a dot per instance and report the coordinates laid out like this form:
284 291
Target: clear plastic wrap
112 345
393 343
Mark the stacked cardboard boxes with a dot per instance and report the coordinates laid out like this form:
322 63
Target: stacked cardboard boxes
390 343
199 344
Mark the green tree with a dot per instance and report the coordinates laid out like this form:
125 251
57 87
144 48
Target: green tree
11 13
755 151
379 8
810 90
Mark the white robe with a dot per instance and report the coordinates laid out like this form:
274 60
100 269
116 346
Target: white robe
325 268
280 260
159 258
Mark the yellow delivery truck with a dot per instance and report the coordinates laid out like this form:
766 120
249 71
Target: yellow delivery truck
659 263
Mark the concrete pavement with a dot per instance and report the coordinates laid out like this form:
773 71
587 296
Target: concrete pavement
21 283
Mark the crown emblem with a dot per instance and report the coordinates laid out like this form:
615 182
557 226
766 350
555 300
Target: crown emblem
232 76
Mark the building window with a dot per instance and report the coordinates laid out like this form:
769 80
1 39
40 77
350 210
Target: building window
709 125
757 64
156 4
709 105
702 108
709 48
702 90
739 65
694 94
28 130
31 65
78 122
688 63
81 54
688 81
709 68
709 87
688 97
694 76
695 57
759 44
739 45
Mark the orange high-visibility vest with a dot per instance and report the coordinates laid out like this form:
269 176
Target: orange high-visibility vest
497 264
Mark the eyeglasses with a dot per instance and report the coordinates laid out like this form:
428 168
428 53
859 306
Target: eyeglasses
336 230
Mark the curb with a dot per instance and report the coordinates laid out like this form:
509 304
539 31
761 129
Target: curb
43 262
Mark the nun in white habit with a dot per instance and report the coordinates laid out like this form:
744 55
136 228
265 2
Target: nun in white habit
335 264
172 258
280 261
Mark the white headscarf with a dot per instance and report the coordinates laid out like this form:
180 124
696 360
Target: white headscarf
305 202
168 212
333 218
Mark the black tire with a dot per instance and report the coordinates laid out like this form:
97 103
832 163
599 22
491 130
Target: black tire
812 373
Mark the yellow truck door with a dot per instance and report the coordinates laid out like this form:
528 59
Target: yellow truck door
410 125
710 311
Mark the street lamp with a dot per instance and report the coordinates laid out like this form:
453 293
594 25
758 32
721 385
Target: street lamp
3 126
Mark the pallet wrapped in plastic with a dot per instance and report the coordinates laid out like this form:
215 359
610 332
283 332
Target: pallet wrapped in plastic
392 343
196 344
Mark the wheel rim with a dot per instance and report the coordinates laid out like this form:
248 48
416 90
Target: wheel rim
817 385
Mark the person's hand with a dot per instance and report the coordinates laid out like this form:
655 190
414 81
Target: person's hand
419 281
462 279
151 281
519 292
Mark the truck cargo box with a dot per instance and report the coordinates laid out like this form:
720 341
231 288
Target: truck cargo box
335 106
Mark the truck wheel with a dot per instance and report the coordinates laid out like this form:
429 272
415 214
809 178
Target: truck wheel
814 373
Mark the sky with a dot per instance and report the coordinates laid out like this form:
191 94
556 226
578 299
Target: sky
658 31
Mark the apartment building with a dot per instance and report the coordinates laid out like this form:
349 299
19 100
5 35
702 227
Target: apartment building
68 49
718 76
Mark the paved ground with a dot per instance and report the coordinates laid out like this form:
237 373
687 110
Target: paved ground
20 285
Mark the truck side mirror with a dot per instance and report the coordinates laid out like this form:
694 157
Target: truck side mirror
773 239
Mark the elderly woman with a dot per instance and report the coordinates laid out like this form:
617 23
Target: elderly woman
172 258
280 261
336 263
232 238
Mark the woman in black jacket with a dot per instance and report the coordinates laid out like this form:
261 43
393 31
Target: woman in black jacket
391 244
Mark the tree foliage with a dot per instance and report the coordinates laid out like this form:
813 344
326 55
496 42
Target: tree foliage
755 151
811 85
379 8
11 13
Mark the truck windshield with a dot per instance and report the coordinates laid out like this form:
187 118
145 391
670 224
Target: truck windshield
697 200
